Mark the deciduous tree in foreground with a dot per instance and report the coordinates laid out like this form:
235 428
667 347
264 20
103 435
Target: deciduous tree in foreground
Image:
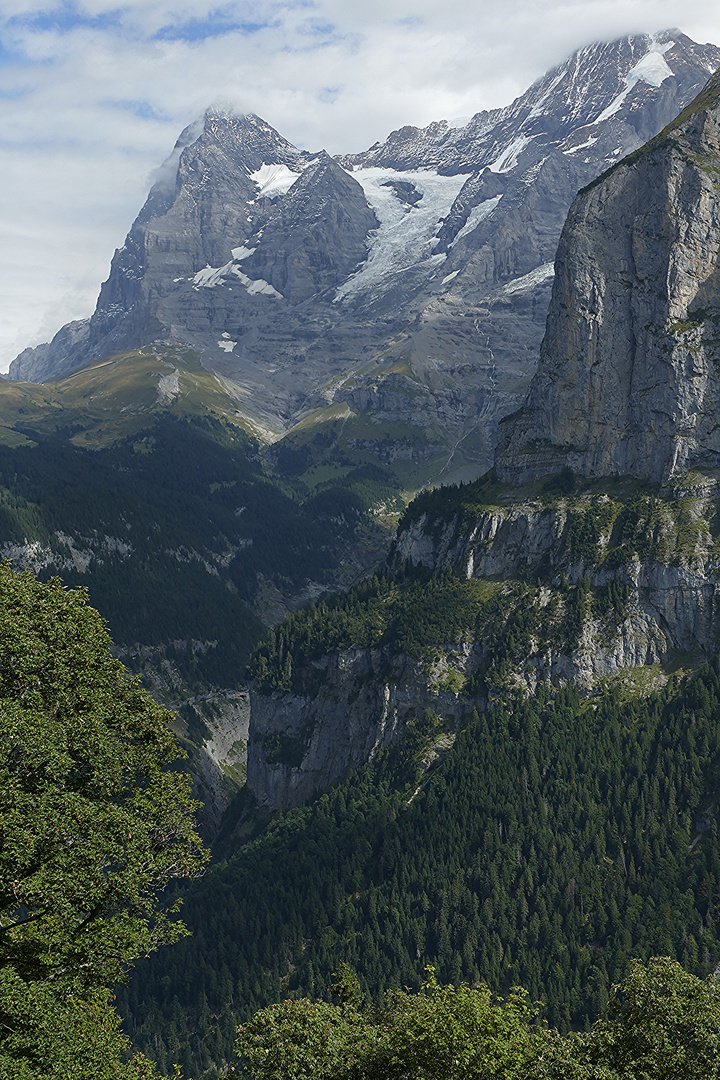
93 825
662 1024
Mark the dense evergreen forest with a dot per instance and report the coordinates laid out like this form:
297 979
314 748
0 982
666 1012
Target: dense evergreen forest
558 838
173 529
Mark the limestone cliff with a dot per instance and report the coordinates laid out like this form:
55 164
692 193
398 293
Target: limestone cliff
629 376
658 552
494 590
300 743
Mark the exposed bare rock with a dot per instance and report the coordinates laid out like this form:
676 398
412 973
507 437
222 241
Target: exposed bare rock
302 282
629 377
613 587
299 745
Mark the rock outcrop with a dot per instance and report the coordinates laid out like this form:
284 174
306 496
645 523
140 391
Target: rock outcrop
583 589
672 578
629 376
300 744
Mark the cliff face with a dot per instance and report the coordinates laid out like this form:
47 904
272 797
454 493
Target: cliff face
301 744
670 578
628 380
611 583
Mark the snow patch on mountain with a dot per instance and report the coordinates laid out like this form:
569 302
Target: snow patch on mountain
211 276
652 68
406 233
582 146
509 157
478 213
257 286
273 180
537 109
536 277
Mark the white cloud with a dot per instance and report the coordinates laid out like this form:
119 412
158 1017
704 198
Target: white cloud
93 96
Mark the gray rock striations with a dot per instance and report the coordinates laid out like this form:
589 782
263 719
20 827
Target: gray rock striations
405 285
364 705
599 588
629 380
670 579
41 362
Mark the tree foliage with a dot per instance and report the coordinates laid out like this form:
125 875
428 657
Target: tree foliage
662 1023
559 838
441 1033
92 825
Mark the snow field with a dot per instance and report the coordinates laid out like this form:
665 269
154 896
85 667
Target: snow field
404 238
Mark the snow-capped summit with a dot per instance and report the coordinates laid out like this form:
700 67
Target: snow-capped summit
430 254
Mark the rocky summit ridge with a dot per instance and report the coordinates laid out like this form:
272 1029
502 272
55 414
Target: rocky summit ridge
404 289
628 381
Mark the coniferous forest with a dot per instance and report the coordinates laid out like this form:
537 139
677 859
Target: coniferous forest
558 839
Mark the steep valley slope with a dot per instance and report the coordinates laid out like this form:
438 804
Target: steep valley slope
501 753
137 479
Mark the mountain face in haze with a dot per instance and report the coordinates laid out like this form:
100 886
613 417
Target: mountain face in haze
403 290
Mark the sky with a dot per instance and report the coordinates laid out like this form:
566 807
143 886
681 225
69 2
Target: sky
93 95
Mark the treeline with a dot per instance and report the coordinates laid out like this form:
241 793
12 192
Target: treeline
610 521
412 614
559 838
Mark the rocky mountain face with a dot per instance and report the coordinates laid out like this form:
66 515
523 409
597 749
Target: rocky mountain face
403 290
302 743
612 585
590 556
628 379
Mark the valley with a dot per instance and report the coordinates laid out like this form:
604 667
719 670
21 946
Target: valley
436 598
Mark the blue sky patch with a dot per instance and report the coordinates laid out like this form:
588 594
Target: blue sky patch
143 109
216 24
66 17
10 56
329 94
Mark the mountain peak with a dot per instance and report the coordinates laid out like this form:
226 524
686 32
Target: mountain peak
628 379
333 287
